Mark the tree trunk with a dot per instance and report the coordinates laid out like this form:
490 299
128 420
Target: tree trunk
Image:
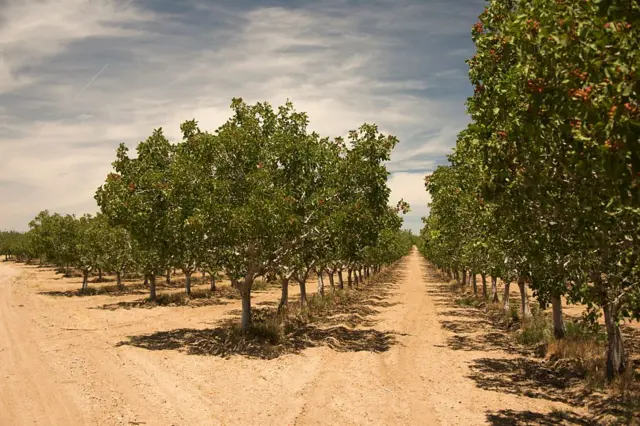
484 286
168 275
146 280
616 362
284 300
332 284
204 276
303 291
152 287
320 283
456 276
360 275
100 275
349 282
558 321
187 282
494 290
475 283
340 279
245 293
85 280
119 279
524 299
213 283
464 277
505 301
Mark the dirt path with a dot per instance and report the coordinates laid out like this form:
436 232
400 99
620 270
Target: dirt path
71 371
28 393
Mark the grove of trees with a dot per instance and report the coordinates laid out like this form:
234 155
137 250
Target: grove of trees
260 197
543 187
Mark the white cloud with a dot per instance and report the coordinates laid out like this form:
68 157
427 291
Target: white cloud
410 188
342 68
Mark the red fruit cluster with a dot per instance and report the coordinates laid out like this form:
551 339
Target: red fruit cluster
535 25
536 86
478 28
502 134
631 108
132 187
581 75
613 146
581 93
479 88
612 111
113 176
575 123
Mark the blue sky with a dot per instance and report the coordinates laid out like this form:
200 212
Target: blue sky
77 77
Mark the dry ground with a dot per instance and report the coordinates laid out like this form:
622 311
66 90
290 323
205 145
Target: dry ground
62 363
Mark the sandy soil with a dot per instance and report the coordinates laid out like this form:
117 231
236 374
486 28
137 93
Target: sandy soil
60 364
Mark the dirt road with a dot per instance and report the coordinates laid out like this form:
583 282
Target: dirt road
60 364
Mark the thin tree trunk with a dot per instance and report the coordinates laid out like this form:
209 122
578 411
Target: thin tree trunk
284 299
456 276
331 280
505 300
119 279
484 286
340 279
245 293
320 283
152 287
187 282
213 283
85 280
303 291
99 274
146 280
168 275
475 283
524 299
558 322
464 277
204 276
616 362
360 276
349 282
494 290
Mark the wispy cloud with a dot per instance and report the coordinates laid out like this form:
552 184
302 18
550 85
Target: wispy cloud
344 65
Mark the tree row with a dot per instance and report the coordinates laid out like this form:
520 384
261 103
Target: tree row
543 187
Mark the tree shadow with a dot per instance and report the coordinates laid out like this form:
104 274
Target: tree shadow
465 326
490 342
227 340
108 290
528 377
511 418
464 313
343 323
197 298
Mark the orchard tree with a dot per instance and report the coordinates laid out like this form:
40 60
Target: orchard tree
135 197
557 112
